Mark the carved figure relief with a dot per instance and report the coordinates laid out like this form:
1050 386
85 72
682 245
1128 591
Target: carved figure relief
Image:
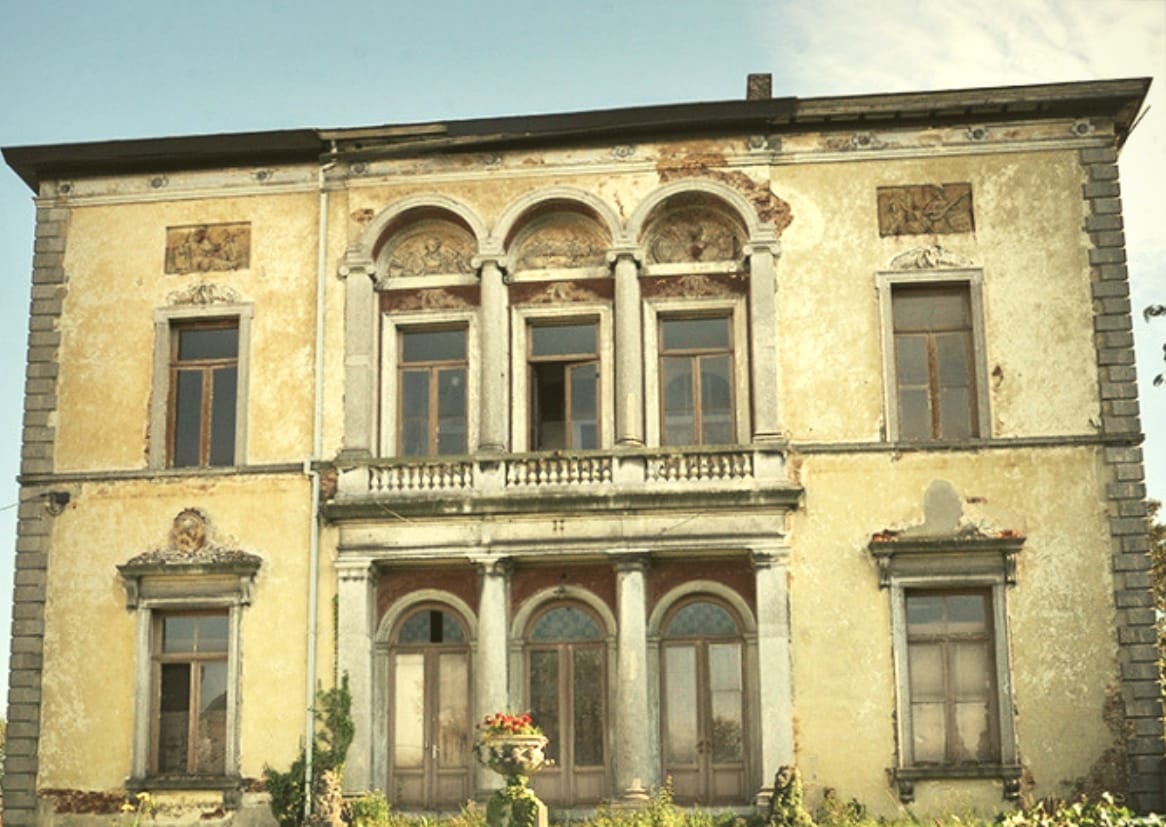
430 248
695 234
203 248
559 292
925 208
565 240
929 258
432 299
694 286
188 533
203 293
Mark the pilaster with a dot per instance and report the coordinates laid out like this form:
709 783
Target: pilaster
354 591
763 339
359 274
775 675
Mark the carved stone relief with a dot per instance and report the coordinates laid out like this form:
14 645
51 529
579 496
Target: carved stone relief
563 240
693 234
202 248
929 258
694 286
203 293
925 208
434 298
427 249
561 292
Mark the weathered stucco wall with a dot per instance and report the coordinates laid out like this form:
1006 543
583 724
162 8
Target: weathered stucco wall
1060 615
90 637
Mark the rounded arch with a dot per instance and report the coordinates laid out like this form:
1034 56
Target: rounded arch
694 588
538 202
402 608
714 191
560 594
418 207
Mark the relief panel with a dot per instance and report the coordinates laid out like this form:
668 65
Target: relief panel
923 209
202 248
562 240
694 234
427 249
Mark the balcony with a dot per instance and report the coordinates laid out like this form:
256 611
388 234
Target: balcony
622 479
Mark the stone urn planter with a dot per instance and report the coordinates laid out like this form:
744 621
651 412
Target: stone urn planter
511 755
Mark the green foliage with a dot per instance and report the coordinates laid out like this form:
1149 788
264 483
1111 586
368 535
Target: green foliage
333 736
834 812
515 805
369 810
660 811
1105 811
786 808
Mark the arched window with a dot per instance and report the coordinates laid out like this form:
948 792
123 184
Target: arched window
566 688
703 702
430 731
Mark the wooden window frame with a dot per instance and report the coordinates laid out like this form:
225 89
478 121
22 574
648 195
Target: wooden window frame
567 361
167 322
207 368
695 356
887 283
433 367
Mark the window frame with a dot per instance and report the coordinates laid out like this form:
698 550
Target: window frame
973 280
393 326
523 318
734 309
168 321
951 565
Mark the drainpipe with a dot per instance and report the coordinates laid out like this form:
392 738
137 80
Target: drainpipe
314 475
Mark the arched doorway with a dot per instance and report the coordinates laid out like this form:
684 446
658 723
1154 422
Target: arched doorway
702 694
430 730
567 690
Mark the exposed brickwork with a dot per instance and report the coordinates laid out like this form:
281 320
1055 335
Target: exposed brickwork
1125 491
34 522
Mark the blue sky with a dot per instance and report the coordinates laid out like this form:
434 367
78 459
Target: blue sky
77 70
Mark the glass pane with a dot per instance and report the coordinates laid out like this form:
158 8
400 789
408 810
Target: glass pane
188 418
431 626
588 702
223 399
212 718
967 613
680 722
565 623
911 361
914 414
178 634
409 710
563 340
584 394
212 633
174 718
694 334
701 619
971 672
925 671
928 732
955 413
451 411
716 400
725 688
925 613
971 741
931 308
953 351
433 345
414 413
544 697
453 718
678 401
208 343
548 413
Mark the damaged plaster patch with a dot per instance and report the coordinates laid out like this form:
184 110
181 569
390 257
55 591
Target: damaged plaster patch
770 209
947 514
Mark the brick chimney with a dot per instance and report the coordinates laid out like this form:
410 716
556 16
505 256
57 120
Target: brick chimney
759 87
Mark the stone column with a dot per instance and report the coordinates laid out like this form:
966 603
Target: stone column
493 328
360 312
763 326
632 764
629 355
775 679
354 656
491 670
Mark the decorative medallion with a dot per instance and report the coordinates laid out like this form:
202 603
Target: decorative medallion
930 257
924 209
203 248
694 234
188 533
431 248
203 293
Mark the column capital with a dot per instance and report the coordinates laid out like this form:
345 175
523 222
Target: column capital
356 263
631 561
493 566
496 258
617 254
766 557
762 245
348 571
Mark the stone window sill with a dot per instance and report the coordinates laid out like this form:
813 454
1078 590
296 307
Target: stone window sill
1009 774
